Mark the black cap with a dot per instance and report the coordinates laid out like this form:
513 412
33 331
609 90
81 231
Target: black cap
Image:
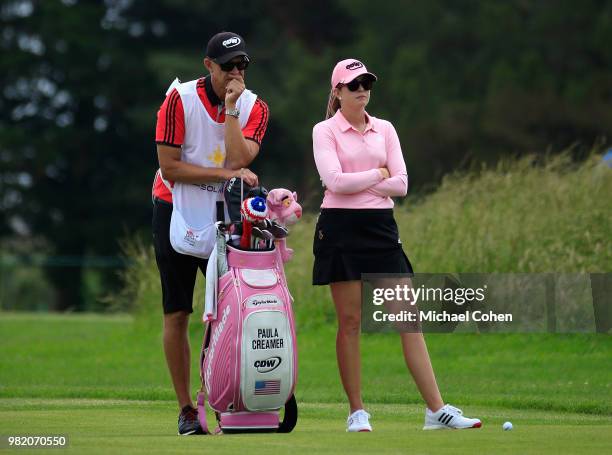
225 46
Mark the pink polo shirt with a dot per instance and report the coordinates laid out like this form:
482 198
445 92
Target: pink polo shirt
348 163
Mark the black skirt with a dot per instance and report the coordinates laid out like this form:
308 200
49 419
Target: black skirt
349 242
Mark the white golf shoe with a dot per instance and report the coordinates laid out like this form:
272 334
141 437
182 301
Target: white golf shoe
447 418
358 421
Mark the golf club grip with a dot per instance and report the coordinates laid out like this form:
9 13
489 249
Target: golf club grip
233 200
220 211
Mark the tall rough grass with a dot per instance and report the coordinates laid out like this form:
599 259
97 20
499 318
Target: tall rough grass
516 217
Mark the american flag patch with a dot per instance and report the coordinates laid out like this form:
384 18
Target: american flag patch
269 387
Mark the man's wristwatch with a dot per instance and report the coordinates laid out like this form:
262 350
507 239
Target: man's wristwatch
232 112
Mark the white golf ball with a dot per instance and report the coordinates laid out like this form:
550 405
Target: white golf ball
507 426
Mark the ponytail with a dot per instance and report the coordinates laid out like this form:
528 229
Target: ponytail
333 104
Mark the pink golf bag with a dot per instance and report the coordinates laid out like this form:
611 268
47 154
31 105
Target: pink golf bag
248 363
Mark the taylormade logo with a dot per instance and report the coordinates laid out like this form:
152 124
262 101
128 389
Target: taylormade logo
263 299
267 365
231 42
354 66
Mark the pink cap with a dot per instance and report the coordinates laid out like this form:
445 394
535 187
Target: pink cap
347 70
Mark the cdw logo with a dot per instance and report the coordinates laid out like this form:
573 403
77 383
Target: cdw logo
354 65
267 365
231 42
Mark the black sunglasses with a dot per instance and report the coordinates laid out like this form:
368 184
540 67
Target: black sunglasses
365 82
228 66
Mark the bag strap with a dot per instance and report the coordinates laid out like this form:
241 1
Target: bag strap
201 402
202 411
241 193
202 393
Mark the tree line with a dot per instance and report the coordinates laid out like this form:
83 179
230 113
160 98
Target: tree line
463 82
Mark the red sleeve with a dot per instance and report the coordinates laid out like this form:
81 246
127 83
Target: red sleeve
257 122
170 129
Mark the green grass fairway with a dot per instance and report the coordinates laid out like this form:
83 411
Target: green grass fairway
102 381
103 426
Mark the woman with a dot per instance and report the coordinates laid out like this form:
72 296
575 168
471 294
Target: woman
360 161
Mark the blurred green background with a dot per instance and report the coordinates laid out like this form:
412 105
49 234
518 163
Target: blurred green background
483 95
504 112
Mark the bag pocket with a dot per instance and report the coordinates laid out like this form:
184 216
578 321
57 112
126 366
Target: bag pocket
259 278
188 240
267 358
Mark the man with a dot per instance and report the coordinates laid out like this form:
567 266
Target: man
208 131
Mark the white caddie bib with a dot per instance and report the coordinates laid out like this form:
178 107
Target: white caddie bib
192 226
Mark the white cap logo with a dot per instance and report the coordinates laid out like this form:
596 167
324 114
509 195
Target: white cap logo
231 42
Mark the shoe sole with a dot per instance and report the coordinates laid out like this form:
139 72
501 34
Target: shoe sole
189 433
444 427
